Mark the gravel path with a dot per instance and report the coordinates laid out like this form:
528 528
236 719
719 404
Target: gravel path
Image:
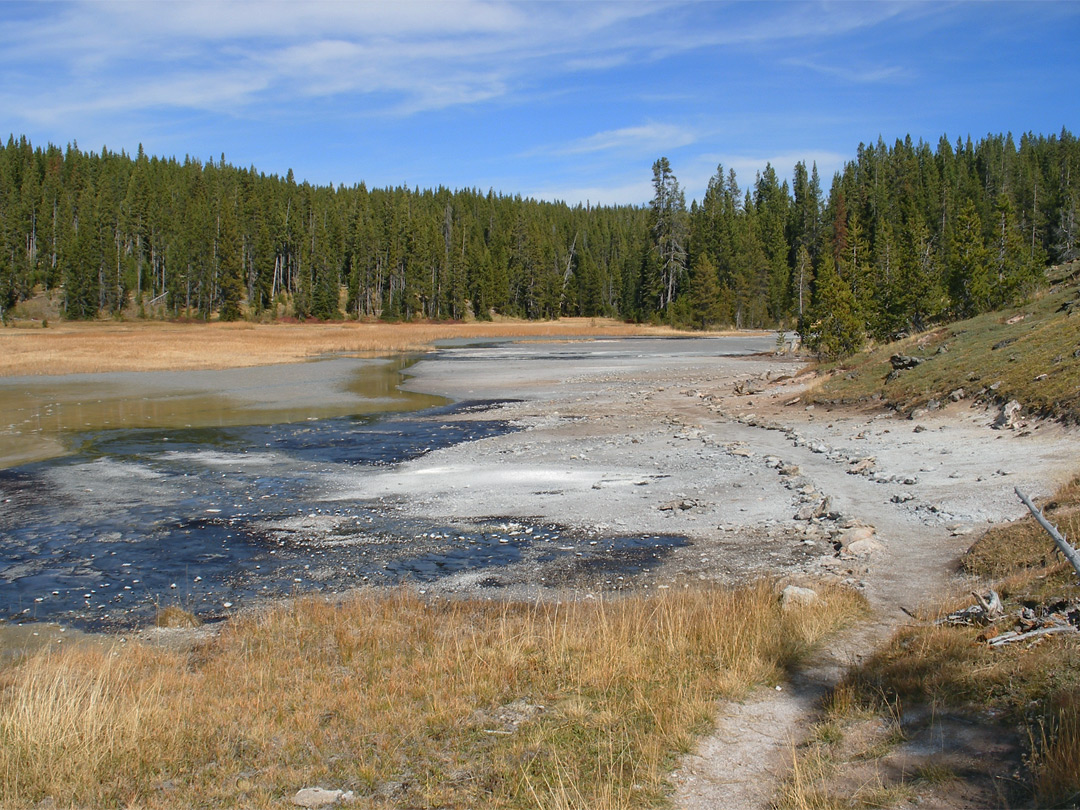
688 437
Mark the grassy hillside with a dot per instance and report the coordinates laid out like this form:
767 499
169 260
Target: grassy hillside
942 717
1029 353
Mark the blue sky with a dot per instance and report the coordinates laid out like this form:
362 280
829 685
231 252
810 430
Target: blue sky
570 101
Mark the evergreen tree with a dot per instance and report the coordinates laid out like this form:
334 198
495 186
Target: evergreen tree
969 277
834 329
704 294
669 235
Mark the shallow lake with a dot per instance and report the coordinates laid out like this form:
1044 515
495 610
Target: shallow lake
210 490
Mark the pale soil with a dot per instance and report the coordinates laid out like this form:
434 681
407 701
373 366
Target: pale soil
617 433
648 436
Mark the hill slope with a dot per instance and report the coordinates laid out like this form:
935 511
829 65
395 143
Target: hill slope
1030 353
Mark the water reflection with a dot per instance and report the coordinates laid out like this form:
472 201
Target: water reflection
38 415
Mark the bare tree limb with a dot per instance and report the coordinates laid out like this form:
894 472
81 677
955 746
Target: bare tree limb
1070 553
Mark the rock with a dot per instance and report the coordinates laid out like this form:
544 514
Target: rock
1008 416
902 497
317 797
864 548
681 504
862 466
811 511
855 535
919 429
903 361
957 395
793 596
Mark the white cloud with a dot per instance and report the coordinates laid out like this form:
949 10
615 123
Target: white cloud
645 138
427 55
855 74
626 193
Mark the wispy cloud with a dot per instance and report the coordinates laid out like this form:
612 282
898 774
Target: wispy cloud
853 73
647 138
426 55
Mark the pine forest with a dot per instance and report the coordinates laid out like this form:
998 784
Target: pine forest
905 236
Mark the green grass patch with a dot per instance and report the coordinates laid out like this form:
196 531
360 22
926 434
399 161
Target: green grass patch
1029 353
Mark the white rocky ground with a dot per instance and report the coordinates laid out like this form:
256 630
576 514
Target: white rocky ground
687 437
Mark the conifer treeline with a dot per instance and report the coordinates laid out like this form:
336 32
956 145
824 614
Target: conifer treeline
905 236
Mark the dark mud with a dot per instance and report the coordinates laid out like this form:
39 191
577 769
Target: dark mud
215 519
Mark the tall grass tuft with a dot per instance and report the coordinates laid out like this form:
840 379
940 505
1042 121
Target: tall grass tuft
406 702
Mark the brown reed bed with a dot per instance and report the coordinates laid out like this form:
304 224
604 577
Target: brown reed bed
406 702
104 346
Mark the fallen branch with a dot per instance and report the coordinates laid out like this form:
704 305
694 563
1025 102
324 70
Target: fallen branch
1014 636
988 610
1070 553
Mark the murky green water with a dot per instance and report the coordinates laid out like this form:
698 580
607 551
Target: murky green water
39 415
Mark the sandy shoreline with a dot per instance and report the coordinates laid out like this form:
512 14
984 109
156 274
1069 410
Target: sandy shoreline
650 436
760 484
706 439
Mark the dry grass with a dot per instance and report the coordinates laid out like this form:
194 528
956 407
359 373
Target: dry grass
102 346
408 703
1025 691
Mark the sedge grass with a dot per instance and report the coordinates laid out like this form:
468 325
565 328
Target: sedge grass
403 701
105 346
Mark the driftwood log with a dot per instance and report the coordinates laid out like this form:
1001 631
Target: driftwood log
1063 545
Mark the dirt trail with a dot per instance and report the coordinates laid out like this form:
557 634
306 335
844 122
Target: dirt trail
687 438
740 765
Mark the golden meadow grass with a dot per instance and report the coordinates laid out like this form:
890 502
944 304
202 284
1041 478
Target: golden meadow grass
1032 688
102 346
406 702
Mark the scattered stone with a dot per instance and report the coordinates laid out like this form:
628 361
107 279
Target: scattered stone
811 511
902 497
793 596
957 395
919 429
320 797
681 505
862 466
903 361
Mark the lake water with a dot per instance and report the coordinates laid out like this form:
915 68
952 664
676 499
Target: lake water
210 490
